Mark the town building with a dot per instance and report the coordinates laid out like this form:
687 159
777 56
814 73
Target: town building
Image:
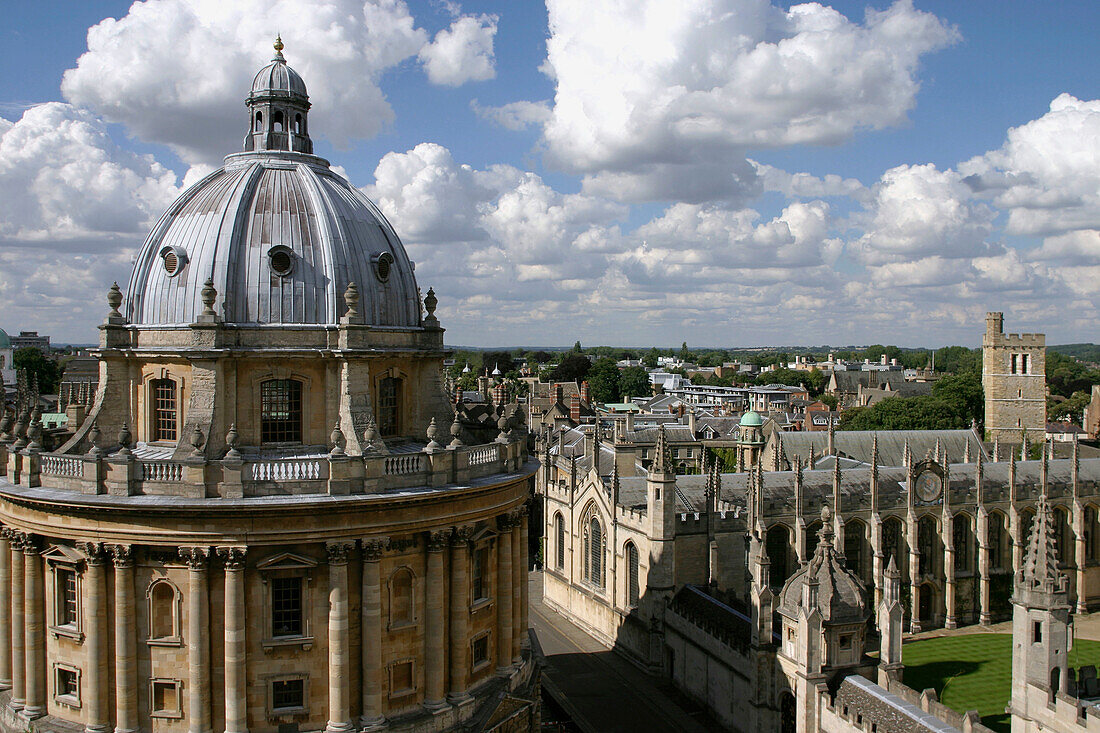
7 366
1014 381
654 567
271 518
31 340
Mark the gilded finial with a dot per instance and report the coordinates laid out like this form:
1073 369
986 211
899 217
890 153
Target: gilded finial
279 46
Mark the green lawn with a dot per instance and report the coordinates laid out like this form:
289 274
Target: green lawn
974 671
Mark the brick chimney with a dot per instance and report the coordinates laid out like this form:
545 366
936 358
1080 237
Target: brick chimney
575 408
584 392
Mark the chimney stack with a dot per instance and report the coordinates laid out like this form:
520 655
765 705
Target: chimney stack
557 393
584 392
575 408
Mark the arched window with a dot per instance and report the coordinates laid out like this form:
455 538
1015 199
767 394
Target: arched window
163 611
1091 543
813 532
402 609
777 546
1063 543
389 406
960 534
165 410
632 590
593 552
853 547
892 534
259 122
297 124
559 540
281 411
277 121
928 542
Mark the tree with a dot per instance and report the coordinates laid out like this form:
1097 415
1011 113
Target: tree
956 359
926 412
603 380
634 382
830 400
685 355
577 347
963 392
501 360
572 367
1069 408
38 365
650 359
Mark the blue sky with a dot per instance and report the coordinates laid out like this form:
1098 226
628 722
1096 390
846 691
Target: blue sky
642 192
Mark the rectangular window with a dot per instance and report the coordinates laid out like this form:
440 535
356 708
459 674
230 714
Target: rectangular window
1024 365
286 607
164 410
281 411
1037 632
288 694
67 685
389 399
166 699
401 678
481 650
1015 362
480 563
66 597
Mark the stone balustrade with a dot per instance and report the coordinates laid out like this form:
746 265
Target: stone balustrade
128 475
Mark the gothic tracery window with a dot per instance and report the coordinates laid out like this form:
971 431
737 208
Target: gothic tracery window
632 585
593 552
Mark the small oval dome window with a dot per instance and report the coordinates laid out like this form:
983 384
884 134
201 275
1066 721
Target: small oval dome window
383 263
281 259
173 259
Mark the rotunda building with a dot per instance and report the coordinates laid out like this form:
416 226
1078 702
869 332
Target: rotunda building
272 518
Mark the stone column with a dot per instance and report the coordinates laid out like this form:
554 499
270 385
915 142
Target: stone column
95 638
504 595
126 720
339 695
524 589
5 610
460 615
1080 556
985 617
198 647
35 629
18 617
236 652
518 577
949 584
372 718
434 642
914 579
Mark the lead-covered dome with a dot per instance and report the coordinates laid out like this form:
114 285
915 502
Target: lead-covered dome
277 77
278 233
840 594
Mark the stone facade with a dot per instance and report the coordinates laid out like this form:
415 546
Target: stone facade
1014 380
260 526
934 542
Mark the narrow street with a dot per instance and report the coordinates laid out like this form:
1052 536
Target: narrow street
601 691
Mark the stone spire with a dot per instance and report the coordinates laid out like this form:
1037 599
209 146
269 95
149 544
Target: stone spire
1039 571
662 462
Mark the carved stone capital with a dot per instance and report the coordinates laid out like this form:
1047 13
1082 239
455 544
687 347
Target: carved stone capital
122 555
338 552
505 522
30 543
94 552
374 547
195 557
233 557
462 535
523 511
437 540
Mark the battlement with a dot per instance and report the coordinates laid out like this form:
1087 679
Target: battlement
1035 340
724 521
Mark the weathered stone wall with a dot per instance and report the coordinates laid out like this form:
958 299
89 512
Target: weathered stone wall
1015 400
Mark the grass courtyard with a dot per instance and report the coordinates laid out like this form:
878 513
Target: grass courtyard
974 671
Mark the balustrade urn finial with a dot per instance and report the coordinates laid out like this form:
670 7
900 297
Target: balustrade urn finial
124 440
6 420
351 300
114 300
456 433
209 295
502 424
337 440
198 440
231 439
432 432
35 435
94 436
430 304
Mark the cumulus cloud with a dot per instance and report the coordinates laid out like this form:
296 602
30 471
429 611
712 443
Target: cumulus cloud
1047 173
176 71
646 87
514 115
461 53
918 211
804 185
63 178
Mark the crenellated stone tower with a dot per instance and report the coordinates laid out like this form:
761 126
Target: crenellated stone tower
1014 380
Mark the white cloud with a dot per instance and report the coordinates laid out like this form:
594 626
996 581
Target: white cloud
646 87
461 53
918 211
63 178
176 71
1047 173
804 185
514 115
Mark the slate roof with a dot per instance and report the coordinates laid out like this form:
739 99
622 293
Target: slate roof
849 382
856 444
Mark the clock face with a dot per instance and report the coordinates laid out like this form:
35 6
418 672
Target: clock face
928 486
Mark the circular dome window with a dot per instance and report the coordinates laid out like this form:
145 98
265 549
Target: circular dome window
173 259
382 266
281 259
